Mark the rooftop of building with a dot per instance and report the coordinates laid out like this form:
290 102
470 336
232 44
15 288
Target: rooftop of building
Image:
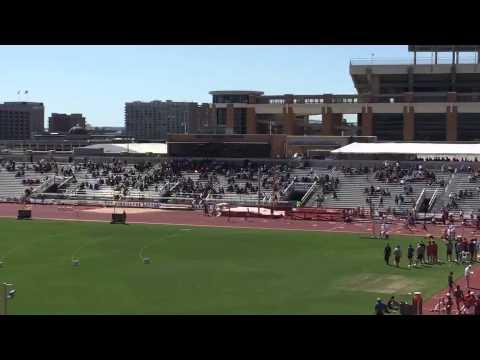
236 92
21 103
443 48
157 102
64 114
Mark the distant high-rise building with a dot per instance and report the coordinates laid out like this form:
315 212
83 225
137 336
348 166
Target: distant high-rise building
62 123
20 120
156 119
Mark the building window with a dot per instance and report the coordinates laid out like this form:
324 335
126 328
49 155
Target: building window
240 121
221 117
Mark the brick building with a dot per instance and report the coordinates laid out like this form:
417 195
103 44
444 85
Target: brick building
62 123
21 120
434 98
156 119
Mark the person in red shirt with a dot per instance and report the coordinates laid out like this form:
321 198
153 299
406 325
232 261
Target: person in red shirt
469 302
429 252
477 307
434 252
458 294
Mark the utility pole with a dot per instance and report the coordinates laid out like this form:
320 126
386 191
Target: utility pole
275 191
259 191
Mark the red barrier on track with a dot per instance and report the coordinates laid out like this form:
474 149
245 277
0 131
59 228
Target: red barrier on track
322 214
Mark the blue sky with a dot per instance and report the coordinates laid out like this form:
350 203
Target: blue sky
98 80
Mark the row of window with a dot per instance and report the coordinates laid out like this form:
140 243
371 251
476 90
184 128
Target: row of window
347 100
13 113
238 99
428 127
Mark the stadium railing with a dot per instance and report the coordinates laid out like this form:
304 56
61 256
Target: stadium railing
308 194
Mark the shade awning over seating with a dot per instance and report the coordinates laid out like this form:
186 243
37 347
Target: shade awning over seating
434 149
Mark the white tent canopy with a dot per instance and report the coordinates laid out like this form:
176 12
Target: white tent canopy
420 149
134 148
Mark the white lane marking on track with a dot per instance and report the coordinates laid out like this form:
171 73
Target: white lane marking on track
200 225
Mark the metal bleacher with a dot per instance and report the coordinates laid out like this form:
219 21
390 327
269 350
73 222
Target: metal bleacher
12 187
460 181
350 192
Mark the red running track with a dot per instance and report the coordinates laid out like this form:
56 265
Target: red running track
474 286
196 218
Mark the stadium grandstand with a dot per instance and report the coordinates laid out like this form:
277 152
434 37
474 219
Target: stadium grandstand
368 186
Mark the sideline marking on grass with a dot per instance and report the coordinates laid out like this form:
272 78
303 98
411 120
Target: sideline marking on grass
78 249
4 257
13 249
140 254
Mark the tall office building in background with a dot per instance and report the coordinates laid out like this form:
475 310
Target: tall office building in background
156 119
21 120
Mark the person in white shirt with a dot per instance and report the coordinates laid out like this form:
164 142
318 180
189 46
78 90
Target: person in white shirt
449 233
383 230
397 253
468 274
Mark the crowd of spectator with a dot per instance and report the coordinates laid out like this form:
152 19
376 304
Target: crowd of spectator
201 178
446 158
175 177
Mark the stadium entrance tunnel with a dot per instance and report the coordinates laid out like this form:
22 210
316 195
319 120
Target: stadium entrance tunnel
52 188
424 207
296 195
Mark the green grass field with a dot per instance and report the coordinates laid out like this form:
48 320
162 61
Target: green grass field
200 270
